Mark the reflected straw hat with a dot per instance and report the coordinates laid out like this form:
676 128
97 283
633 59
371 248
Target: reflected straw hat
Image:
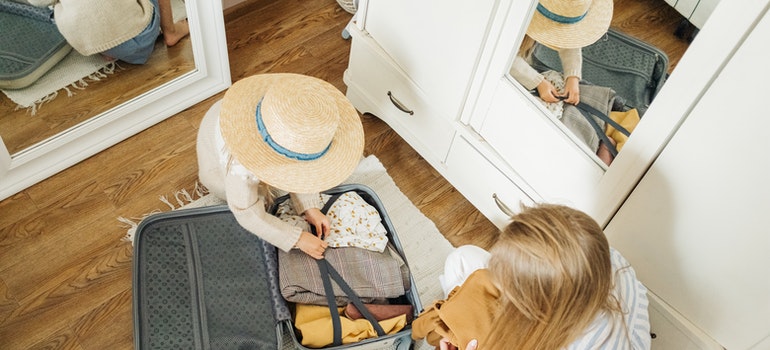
570 24
295 132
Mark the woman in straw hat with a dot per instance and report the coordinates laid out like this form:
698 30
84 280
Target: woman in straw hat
565 26
550 281
290 132
118 29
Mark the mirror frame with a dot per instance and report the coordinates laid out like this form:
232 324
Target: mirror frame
210 76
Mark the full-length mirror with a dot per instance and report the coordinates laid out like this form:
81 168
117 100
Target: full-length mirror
591 63
116 100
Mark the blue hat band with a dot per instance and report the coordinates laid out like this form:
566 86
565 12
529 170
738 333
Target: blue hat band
280 149
559 18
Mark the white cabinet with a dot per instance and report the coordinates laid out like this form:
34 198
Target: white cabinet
482 183
376 85
399 48
498 147
427 39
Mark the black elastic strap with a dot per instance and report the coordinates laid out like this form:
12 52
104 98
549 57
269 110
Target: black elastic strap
330 202
590 109
329 291
354 298
328 272
586 111
325 209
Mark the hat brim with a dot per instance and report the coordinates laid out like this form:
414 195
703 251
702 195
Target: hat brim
243 140
570 36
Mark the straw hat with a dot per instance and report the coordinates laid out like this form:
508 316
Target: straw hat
294 132
570 24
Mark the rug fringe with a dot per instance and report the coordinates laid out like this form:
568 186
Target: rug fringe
79 84
131 224
182 197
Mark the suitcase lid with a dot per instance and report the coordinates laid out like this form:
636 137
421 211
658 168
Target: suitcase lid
202 281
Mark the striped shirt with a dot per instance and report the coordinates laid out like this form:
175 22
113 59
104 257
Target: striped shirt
632 330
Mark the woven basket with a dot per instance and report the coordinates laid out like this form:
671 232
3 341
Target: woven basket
348 5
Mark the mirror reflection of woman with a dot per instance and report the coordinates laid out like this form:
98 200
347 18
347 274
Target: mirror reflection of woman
565 26
125 30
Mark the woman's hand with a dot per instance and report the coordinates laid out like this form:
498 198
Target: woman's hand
311 245
572 90
547 92
315 217
444 344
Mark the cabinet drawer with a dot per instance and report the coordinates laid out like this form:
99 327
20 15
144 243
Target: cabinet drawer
539 150
482 183
377 86
435 42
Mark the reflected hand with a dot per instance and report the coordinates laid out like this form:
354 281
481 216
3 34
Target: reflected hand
315 217
311 245
572 90
547 92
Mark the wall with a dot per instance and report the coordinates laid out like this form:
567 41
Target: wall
696 227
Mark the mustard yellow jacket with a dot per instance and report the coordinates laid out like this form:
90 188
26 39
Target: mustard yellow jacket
466 313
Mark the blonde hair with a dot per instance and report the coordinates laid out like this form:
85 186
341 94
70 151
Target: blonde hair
552 266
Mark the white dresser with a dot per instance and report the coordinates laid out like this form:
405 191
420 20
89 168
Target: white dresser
436 72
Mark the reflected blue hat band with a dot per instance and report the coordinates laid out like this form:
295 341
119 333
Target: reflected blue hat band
558 18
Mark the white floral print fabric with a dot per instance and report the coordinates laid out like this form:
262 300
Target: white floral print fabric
354 222
557 80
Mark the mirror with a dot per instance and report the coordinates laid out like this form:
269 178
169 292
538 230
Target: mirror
132 98
645 42
78 88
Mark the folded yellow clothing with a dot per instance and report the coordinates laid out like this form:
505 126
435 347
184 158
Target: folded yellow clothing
314 323
628 119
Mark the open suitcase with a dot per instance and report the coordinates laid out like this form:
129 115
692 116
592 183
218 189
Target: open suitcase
201 281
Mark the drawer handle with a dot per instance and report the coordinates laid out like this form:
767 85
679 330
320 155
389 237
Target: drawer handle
504 208
399 105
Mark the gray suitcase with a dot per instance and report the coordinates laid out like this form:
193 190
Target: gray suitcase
201 281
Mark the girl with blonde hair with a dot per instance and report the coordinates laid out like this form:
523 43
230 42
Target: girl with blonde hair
550 281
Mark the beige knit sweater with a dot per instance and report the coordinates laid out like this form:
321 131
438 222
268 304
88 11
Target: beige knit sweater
235 184
93 26
571 61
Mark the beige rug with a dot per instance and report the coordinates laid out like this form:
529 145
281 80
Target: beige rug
425 247
71 74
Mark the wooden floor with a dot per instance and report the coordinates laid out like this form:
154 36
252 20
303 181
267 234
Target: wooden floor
65 274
